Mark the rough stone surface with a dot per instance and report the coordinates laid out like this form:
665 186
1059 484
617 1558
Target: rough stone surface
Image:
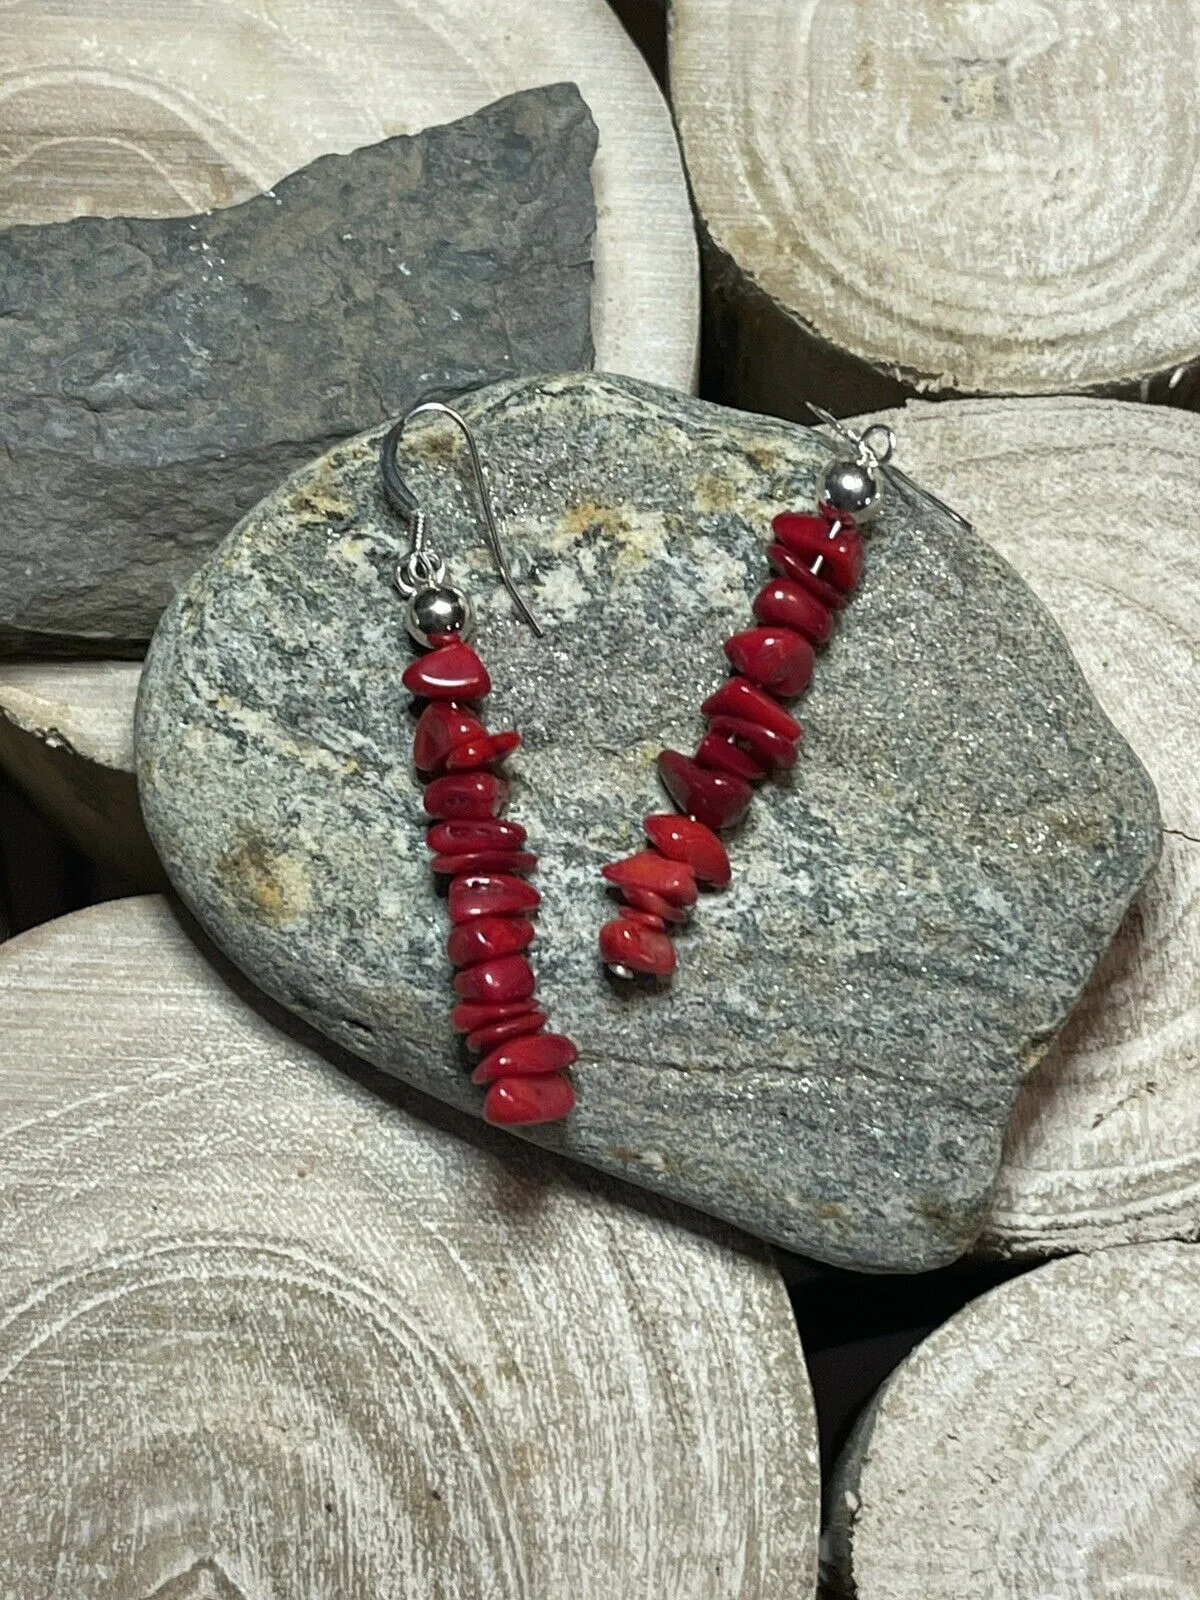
912 914
158 376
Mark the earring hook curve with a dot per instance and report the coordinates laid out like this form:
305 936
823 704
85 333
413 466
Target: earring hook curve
422 563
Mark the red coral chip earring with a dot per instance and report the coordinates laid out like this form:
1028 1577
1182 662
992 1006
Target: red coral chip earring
818 561
480 858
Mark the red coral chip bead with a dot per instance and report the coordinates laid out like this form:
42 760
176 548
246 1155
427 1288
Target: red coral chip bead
719 755
788 565
481 1040
531 1056
654 904
717 799
513 1102
639 949
441 726
491 894
683 839
673 880
764 746
738 697
787 604
468 1015
458 838
475 861
482 752
808 537
484 938
644 919
774 658
466 796
818 523
505 979
451 672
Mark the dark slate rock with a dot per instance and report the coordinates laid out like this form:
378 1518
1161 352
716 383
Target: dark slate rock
912 915
158 377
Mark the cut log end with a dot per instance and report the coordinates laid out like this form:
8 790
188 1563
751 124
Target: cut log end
1042 1442
902 199
245 1295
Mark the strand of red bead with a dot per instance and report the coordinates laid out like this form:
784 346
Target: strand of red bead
491 905
816 559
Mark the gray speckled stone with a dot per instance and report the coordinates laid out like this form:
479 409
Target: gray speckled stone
912 915
158 376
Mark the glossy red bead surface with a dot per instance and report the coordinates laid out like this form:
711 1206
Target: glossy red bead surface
684 839
458 838
717 753
815 523
484 751
738 697
764 745
717 799
451 672
808 537
515 1102
503 980
784 603
531 1056
628 944
483 938
441 726
491 894
644 919
468 1015
465 796
673 880
776 659
476 861
481 1040
788 565
654 904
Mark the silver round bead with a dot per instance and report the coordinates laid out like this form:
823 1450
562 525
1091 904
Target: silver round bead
440 610
848 489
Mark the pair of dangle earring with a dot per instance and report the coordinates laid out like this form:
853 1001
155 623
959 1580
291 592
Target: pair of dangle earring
816 558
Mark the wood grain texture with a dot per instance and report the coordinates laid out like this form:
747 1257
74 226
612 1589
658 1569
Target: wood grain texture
944 197
1041 1443
266 1332
114 108
1094 503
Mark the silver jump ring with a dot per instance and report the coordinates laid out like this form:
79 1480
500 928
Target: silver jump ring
421 569
880 454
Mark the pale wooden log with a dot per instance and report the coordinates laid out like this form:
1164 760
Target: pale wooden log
124 109
264 1330
1042 1443
66 737
937 198
1094 502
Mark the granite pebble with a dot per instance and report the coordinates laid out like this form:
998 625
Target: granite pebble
913 911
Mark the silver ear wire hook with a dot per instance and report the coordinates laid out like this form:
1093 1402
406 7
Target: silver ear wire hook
422 571
880 458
